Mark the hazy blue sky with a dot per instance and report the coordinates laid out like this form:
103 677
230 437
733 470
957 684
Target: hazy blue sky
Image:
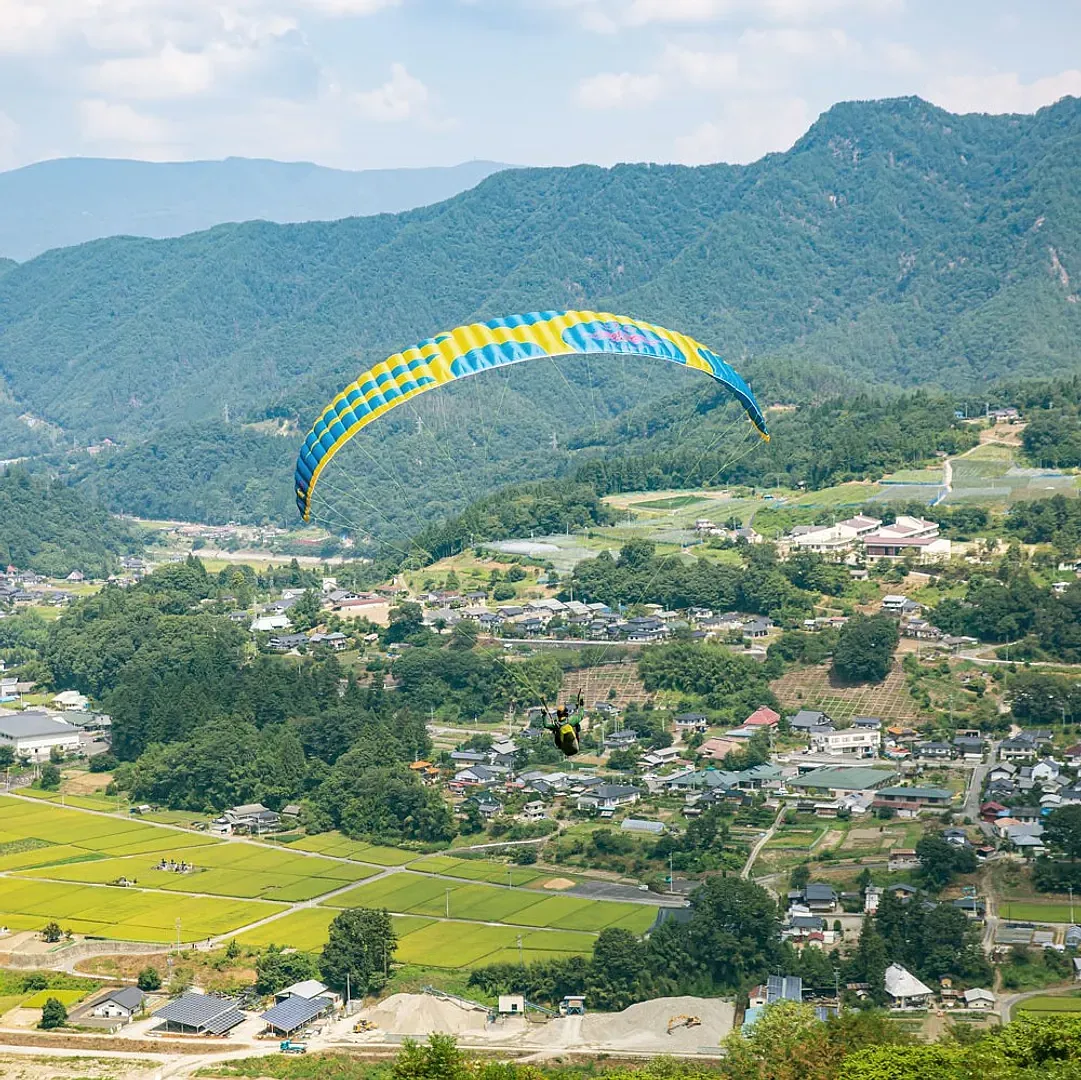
373 83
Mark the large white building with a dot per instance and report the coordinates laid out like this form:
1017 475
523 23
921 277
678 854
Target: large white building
836 538
852 742
34 734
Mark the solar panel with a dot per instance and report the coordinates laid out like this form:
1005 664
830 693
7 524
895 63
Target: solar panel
294 1012
204 1012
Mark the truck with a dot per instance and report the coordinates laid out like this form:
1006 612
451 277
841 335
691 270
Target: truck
287 1046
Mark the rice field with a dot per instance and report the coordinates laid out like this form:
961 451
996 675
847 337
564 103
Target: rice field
416 894
341 847
34 833
242 870
498 873
1050 1004
1037 911
126 914
65 997
429 942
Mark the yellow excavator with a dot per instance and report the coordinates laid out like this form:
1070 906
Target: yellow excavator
683 1021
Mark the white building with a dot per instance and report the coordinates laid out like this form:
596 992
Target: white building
34 734
120 1004
905 990
852 742
836 538
979 998
71 701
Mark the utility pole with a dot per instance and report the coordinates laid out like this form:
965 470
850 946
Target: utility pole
448 903
520 950
348 993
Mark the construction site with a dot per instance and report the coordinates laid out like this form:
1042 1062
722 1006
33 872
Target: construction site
675 1025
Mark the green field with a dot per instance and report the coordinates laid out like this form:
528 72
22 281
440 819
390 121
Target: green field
1048 1003
675 502
65 997
341 847
233 869
428 942
127 914
498 873
415 894
1037 911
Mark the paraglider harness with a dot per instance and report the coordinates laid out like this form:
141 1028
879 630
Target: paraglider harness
566 727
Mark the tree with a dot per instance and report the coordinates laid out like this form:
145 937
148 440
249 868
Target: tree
1062 831
438 1059
619 961
52 933
7 756
276 969
307 611
56 755
865 648
359 950
50 777
53 1014
800 876
940 861
149 979
734 930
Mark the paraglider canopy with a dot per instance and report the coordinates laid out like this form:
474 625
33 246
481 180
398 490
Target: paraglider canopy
471 349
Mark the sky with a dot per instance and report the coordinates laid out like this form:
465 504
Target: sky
387 83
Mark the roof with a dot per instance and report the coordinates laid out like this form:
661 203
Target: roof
978 993
30 724
855 779
294 1012
901 983
615 791
129 997
784 988
205 1012
916 792
818 890
808 718
309 988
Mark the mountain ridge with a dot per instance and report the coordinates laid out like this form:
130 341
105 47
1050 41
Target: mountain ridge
63 202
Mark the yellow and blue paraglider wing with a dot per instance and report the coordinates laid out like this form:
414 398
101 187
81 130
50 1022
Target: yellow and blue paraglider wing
480 346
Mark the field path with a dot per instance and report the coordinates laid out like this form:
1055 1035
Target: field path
761 842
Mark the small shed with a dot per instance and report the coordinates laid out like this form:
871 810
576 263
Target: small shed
511 1005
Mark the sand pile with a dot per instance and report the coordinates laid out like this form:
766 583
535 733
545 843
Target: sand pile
421 1014
645 1026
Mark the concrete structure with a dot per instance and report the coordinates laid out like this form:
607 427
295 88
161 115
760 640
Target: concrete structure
914 798
34 735
843 781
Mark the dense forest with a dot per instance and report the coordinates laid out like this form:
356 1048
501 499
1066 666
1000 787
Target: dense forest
48 527
968 215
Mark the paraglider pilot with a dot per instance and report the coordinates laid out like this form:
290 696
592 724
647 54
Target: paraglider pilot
566 726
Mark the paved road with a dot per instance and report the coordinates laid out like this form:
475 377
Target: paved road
1007 1005
971 808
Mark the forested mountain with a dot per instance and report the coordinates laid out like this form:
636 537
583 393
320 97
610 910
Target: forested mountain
48 527
68 201
894 244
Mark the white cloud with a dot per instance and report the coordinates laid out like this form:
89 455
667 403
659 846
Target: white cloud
346 8
1003 92
108 122
611 90
643 12
402 97
703 69
745 130
789 41
168 73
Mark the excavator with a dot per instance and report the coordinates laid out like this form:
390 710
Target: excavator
683 1021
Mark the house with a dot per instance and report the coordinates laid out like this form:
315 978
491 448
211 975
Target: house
971 906
337 641
35 735
905 990
664 756
717 749
820 897
264 623
969 747
479 776
762 717
902 859
294 1013
621 740
71 701
757 628
809 720
872 895
1045 769
955 837
979 999
867 723
534 811
935 751
468 757
691 722
253 818
851 742
914 799
120 1004
487 806
836 783
605 798
199 1014
1018 748
76 575
284 643
640 825
1004 770
503 752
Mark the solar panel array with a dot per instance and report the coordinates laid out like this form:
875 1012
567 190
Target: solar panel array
204 1012
294 1012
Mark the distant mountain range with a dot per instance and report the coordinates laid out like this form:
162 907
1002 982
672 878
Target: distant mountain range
71 200
894 245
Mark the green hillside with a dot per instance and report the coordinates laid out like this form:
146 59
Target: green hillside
48 527
893 244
